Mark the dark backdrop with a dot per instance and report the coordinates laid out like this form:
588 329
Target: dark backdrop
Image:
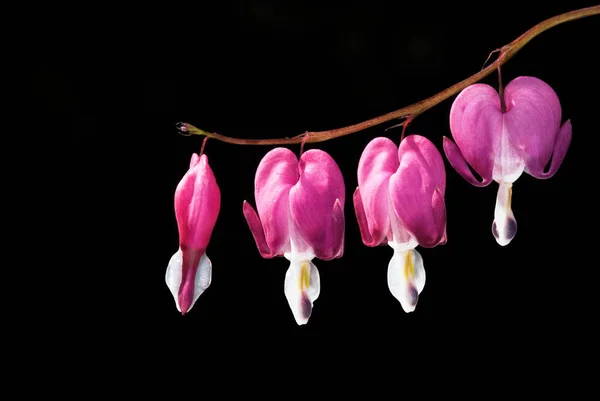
117 81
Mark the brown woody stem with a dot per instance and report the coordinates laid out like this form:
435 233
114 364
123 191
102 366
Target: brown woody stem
506 53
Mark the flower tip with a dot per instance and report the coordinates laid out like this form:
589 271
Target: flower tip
507 231
443 240
413 298
185 304
194 160
305 310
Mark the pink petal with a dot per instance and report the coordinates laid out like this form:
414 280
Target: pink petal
194 160
379 160
476 126
338 232
189 269
313 203
563 140
197 203
533 120
361 217
458 162
417 191
276 174
257 231
420 149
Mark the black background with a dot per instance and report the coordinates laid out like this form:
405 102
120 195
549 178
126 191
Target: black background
114 82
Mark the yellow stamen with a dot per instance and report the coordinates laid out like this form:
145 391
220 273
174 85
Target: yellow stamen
409 267
304 276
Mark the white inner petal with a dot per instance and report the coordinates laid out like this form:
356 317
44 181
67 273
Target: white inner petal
201 281
504 226
401 239
406 277
298 248
302 287
508 162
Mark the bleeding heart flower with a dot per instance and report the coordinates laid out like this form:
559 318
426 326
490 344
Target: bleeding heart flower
197 203
400 202
300 216
501 144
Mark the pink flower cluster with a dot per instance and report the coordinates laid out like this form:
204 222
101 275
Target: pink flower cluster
399 200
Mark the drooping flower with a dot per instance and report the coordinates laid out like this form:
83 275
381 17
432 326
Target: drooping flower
400 202
300 216
502 144
197 204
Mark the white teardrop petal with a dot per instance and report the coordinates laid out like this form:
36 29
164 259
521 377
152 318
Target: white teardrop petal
504 227
302 287
406 278
173 276
419 270
202 279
